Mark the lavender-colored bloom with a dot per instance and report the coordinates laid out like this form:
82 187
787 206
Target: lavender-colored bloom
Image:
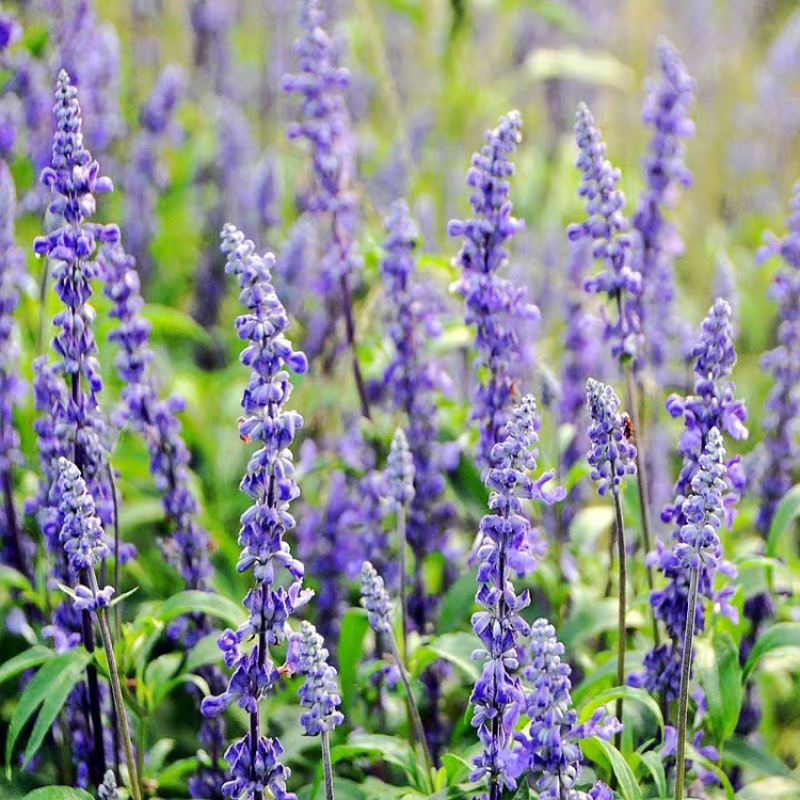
493 304
375 599
712 405
780 456
399 474
508 545
606 226
81 533
319 692
549 749
269 481
612 456
15 546
409 381
107 790
656 241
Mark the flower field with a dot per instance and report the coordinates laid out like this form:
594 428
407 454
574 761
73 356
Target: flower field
399 399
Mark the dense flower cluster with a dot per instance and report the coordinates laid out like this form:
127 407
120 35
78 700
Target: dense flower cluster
399 474
508 545
410 380
375 599
612 456
780 457
706 413
606 226
269 481
548 750
319 692
493 304
656 241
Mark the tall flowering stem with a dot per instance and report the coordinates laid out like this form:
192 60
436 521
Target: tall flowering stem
326 127
712 406
410 381
607 228
549 750
399 492
493 305
656 241
84 544
269 481
319 692
14 546
612 457
697 552
375 599
74 178
781 453
508 545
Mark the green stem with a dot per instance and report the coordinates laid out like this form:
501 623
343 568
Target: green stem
412 705
623 602
327 767
117 610
401 548
686 669
116 692
632 403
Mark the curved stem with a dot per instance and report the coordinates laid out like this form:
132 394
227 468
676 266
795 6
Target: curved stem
632 402
623 601
401 548
327 767
686 669
116 692
117 610
412 705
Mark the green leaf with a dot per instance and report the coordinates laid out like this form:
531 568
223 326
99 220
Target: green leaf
29 658
782 634
786 514
456 648
13 578
606 671
351 647
206 651
746 753
389 748
774 788
578 64
343 789
196 602
627 784
457 603
655 764
58 793
719 672
631 693
168 321
50 686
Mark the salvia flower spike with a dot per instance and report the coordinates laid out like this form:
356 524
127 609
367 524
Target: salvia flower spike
508 545
254 763
492 303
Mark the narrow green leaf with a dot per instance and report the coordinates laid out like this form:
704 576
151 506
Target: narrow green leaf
655 764
457 603
29 658
195 602
786 513
61 670
719 673
13 578
58 793
631 693
746 753
627 784
456 648
389 748
351 647
782 634
206 651
168 321
605 672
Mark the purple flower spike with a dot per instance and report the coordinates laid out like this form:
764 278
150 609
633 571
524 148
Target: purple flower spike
493 305
612 456
549 749
656 242
319 693
399 475
269 481
508 544
780 454
606 227
375 599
